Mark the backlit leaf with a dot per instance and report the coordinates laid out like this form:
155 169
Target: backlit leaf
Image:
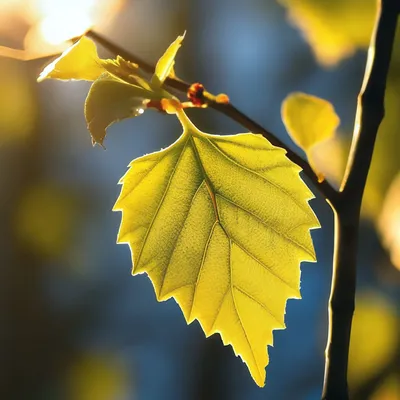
119 89
110 100
79 62
120 68
334 29
165 65
309 120
220 223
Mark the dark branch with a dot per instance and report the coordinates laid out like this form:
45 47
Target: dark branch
227 109
370 112
370 105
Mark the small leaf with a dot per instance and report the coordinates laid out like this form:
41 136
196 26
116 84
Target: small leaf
221 223
79 62
165 65
309 120
122 69
110 100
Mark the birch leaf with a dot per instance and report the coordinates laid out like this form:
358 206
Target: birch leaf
221 224
309 120
79 62
165 65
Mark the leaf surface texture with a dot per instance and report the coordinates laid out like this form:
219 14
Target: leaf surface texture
221 223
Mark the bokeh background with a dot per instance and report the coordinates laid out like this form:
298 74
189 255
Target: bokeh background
74 324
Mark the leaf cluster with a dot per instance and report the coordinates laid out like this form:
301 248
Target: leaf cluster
120 89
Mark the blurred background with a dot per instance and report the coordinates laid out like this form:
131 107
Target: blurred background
74 324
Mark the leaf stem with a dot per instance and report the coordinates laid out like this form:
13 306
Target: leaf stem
227 109
370 112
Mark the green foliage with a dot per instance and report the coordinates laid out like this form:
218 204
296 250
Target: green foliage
109 100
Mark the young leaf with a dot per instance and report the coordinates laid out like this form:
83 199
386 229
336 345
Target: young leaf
79 62
309 120
220 223
165 65
120 68
119 90
109 100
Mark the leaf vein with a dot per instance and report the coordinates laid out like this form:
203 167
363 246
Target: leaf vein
300 205
201 267
269 269
237 310
281 234
161 202
258 302
156 162
177 238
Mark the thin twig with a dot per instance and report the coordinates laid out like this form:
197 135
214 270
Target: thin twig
370 112
227 109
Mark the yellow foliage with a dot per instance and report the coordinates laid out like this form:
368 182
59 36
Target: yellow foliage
97 377
330 158
334 29
79 62
45 219
18 109
389 222
385 161
309 121
389 390
220 223
165 65
374 337
119 89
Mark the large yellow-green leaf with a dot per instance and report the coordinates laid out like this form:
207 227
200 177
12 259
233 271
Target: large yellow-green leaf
309 121
221 223
165 65
79 62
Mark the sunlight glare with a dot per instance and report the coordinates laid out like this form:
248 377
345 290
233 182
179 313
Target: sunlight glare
57 29
64 19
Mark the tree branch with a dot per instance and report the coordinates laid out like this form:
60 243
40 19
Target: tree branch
370 112
370 104
227 109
